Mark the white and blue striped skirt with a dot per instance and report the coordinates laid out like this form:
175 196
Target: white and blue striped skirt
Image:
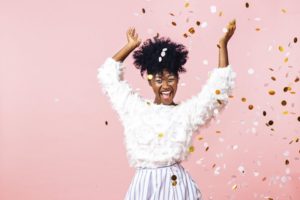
171 182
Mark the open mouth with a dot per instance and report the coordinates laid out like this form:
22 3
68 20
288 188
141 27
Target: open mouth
166 95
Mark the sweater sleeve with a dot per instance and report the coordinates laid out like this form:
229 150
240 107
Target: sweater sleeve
211 100
123 99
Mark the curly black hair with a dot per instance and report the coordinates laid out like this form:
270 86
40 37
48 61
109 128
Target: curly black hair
146 58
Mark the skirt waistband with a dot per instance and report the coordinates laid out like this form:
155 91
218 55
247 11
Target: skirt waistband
176 163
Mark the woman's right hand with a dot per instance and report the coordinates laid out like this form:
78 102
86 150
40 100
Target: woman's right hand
132 37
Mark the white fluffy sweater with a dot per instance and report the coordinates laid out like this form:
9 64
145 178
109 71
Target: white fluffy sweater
157 134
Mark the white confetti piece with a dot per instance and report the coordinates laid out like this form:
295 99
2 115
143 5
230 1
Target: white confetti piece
286 153
250 71
241 169
203 25
234 147
255 173
217 170
183 84
213 9
205 62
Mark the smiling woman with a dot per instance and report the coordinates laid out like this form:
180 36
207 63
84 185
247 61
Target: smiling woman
158 135
163 60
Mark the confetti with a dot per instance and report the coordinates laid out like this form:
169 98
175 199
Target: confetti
218 92
283 102
264 113
106 122
244 99
160 135
143 10
187 4
185 35
271 92
213 9
198 23
283 10
234 187
287 162
295 39
174 23
247 5
149 76
281 48
192 30
250 71
250 107
191 149
271 122
273 78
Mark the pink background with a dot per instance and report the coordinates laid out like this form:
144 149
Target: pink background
54 144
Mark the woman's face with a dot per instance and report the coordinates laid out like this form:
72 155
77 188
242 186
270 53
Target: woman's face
164 86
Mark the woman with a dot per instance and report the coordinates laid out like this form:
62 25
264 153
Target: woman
158 133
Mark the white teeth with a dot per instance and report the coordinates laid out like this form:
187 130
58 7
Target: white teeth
166 92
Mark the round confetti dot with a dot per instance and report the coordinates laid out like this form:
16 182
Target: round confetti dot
299 118
287 162
149 76
218 92
281 48
264 113
250 71
160 135
250 107
198 23
283 103
270 122
173 177
143 10
191 149
273 78
271 92
244 99
295 39
213 9
174 23
285 89
174 183
247 5
192 30
106 122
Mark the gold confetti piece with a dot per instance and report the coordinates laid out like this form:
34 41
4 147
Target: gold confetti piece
271 92
264 178
296 139
192 30
160 135
281 48
218 131
191 149
198 23
234 187
273 78
247 5
285 89
271 122
206 149
264 113
174 183
174 23
283 10
287 162
295 40
186 4
257 29
218 92
171 14
244 99
214 165
296 79
283 102
143 10
250 107
200 138
149 76
285 112
185 35
286 59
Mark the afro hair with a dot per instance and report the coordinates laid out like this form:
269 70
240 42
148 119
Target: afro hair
149 56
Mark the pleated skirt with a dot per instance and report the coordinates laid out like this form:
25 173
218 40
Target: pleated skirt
171 182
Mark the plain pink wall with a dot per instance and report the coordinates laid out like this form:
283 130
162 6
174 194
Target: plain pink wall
54 141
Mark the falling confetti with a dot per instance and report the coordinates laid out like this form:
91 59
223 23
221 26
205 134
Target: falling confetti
174 23
143 10
198 23
106 122
234 187
281 49
247 5
271 92
213 9
192 30
295 39
250 107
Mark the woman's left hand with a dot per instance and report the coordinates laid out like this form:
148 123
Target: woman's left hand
230 31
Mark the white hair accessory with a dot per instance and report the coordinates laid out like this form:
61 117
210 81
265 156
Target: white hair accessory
162 54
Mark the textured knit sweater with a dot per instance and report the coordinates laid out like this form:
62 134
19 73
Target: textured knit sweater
156 134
